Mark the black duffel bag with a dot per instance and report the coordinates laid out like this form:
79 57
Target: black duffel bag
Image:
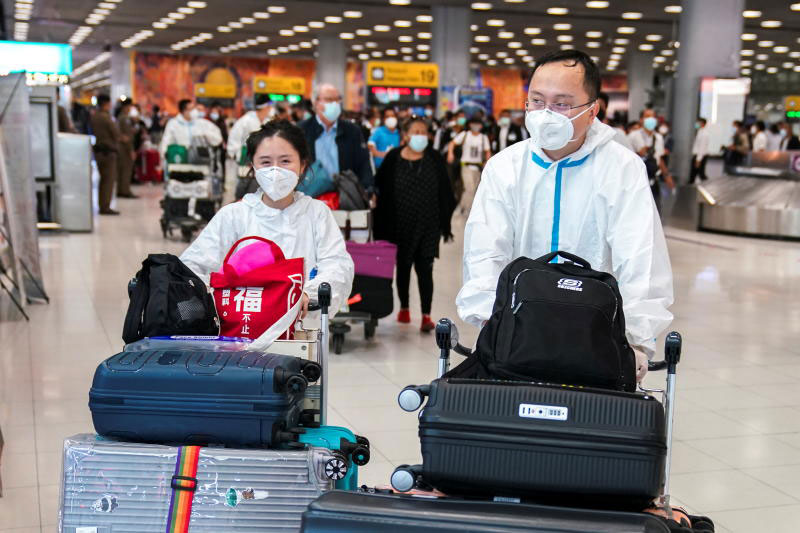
556 323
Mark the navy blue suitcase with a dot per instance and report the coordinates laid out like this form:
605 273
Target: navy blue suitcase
354 512
238 399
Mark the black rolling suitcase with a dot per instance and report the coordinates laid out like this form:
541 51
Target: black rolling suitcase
238 399
540 442
354 512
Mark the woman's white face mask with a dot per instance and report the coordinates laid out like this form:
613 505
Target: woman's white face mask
551 130
276 182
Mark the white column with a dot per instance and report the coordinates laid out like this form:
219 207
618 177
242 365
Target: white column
450 45
331 61
710 41
120 65
640 82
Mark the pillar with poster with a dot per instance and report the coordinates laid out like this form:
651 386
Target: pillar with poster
411 85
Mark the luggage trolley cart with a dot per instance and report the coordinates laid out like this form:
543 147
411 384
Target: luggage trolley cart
372 297
193 191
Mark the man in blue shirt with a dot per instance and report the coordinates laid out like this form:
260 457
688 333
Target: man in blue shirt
335 142
384 137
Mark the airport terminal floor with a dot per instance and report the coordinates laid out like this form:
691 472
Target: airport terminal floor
737 440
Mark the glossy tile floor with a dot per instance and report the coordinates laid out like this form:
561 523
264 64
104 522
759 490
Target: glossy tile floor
737 450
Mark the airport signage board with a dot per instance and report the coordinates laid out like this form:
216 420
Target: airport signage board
396 74
40 58
279 85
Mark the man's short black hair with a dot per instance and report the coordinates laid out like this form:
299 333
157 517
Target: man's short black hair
604 97
573 58
183 104
702 120
102 99
760 126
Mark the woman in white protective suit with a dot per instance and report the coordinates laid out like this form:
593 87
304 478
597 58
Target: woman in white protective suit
571 187
301 226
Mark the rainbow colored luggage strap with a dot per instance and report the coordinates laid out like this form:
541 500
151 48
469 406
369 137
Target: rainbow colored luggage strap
184 484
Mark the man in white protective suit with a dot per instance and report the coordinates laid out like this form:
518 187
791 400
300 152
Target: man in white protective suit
189 127
570 188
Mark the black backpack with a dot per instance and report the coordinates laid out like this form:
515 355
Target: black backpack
557 323
167 298
352 196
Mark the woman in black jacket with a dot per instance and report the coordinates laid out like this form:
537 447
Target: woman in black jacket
415 205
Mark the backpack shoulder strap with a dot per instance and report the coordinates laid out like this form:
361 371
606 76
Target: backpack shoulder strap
138 290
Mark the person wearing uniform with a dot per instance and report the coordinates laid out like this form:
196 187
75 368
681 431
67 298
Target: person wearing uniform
570 188
106 146
125 155
237 139
189 127
299 225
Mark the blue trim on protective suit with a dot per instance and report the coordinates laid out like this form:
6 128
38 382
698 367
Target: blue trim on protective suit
557 196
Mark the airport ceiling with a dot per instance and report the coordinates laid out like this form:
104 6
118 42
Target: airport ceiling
508 33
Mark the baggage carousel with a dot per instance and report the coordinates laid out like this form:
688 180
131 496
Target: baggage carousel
760 200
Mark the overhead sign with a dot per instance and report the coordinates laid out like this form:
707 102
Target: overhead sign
212 90
279 85
792 103
394 74
44 58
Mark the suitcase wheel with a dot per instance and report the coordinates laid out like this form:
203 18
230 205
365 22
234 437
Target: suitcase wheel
296 384
404 478
411 398
338 342
369 328
360 455
312 371
362 440
336 468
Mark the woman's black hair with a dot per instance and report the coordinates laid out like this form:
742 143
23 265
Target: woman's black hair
285 130
407 124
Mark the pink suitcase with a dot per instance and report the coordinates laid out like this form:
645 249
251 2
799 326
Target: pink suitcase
375 259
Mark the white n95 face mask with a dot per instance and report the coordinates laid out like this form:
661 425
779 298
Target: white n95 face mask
550 130
276 182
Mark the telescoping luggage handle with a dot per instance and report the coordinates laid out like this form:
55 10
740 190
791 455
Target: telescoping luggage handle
323 304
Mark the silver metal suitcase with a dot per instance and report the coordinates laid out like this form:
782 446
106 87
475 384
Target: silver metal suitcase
119 487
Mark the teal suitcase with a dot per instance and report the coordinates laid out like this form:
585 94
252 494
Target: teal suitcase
353 452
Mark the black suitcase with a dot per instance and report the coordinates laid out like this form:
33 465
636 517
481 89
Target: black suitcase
517 439
354 512
377 296
239 399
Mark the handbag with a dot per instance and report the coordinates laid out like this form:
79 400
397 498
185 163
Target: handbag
258 300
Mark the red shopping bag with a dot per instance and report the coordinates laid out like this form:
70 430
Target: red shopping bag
262 302
331 199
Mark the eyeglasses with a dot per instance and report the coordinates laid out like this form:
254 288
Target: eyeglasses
557 107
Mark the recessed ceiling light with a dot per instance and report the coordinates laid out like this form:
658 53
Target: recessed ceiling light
621 41
751 14
247 20
261 15
160 25
759 66
653 37
491 62
106 12
316 24
795 7
594 34
766 44
538 42
474 50
660 59
597 4
353 14
358 47
631 15
482 39
749 36
300 29
508 60
746 52
294 47
176 16
746 63
496 22
235 24
402 23
332 19
363 57
424 18
673 9
399 2
423 47
283 49
521 53
787 65
276 9
424 35
794 55
527 59
618 50
252 42
185 10
626 29
223 29
780 49
371 44
564 38
770 23
481 6
515 44
557 11
347 35
483 57
405 39
383 27
762 57
505 34
407 50
646 47
262 39
562 27
422 57
772 70
567 47
615 56
533 31
363 32
286 33
197 5
391 52
593 44
667 52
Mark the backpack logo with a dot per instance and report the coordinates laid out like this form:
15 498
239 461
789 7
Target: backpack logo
570 284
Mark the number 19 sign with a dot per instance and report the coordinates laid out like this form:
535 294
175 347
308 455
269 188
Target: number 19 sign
396 74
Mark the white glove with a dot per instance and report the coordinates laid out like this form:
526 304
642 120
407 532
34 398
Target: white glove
641 364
